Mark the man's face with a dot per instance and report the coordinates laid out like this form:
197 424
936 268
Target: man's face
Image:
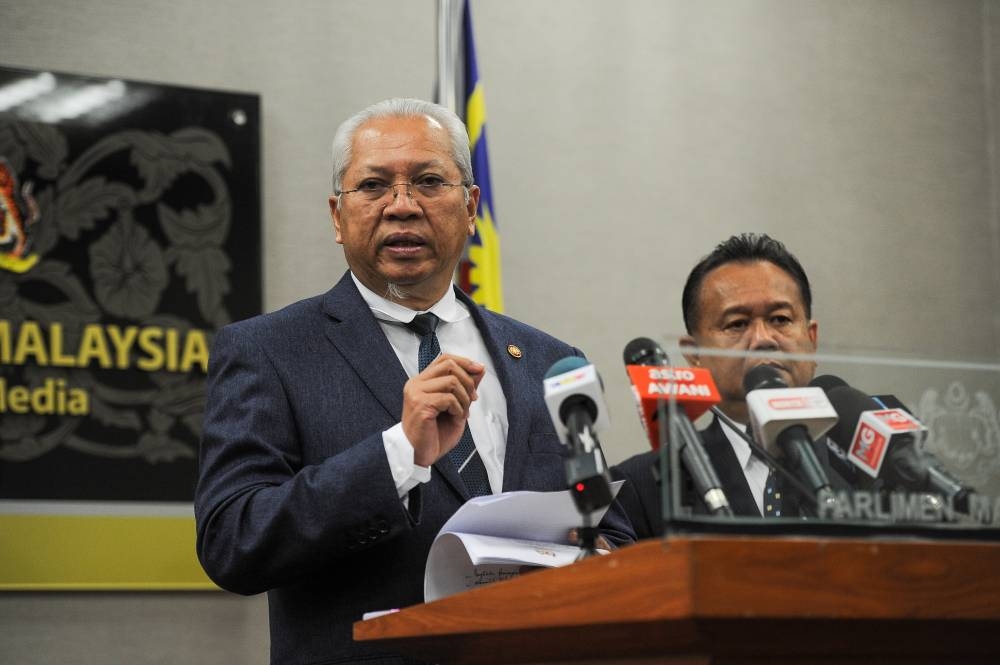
414 243
751 307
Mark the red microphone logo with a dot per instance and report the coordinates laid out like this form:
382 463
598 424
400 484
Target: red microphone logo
867 448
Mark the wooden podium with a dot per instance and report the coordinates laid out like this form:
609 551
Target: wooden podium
723 600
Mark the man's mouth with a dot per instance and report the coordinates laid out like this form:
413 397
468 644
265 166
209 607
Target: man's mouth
403 243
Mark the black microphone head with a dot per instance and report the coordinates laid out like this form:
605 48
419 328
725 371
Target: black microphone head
827 382
761 377
849 403
645 351
892 402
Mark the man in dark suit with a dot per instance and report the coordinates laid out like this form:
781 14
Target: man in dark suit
326 468
749 294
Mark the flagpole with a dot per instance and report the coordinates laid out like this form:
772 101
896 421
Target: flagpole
448 54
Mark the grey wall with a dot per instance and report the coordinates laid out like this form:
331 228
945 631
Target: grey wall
626 139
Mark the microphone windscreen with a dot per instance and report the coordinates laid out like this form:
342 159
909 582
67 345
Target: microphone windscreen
761 377
828 382
644 351
849 403
891 402
567 364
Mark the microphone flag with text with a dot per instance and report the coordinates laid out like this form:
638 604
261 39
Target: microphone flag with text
654 381
654 384
574 397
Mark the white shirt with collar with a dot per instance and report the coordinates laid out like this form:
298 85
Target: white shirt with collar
754 469
457 334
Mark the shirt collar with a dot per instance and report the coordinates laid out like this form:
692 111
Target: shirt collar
740 446
449 308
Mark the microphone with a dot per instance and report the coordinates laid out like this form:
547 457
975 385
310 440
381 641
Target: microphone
693 389
787 420
645 351
884 444
575 400
654 381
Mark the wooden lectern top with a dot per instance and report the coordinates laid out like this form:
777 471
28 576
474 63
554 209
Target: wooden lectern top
723 600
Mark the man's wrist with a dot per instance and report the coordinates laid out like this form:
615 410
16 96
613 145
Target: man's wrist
406 474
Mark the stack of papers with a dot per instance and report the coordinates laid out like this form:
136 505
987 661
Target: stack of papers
492 538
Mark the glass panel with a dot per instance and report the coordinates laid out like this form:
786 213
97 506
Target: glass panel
874 444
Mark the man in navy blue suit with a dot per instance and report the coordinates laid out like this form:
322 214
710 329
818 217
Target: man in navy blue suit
324 471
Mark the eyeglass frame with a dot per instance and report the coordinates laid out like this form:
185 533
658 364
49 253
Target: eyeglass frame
410 188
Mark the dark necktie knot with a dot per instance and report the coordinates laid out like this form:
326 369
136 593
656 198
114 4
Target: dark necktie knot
423 324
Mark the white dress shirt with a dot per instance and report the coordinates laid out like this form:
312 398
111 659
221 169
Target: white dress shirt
457 334
753 467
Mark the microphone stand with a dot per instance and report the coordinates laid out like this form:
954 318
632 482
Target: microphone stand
587 479
664 479
588 539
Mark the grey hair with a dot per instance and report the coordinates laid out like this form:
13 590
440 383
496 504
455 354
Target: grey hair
395 293
402 108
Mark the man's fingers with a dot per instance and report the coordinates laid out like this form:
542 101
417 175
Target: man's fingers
459 366
445 385
436 404
448 367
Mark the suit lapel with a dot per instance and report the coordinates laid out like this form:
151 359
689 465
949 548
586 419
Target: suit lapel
513 376
352 329
731 475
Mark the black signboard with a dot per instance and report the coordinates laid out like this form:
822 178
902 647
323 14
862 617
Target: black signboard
130 233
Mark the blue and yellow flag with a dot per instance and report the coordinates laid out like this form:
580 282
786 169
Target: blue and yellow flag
479 270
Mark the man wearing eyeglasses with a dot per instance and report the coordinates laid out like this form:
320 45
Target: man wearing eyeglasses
328 456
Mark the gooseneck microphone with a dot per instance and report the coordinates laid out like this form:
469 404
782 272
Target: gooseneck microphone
884 444
654 382
786 421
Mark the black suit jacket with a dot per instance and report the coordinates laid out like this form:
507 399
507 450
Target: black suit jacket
295 495
640 497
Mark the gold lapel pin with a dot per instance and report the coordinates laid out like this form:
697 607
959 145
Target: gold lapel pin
514 351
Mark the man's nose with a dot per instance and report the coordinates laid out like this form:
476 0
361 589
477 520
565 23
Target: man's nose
402 205
762 336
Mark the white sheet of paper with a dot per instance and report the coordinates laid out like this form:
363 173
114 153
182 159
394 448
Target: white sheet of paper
491 537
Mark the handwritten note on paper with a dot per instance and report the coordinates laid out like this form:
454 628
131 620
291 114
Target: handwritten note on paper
487 574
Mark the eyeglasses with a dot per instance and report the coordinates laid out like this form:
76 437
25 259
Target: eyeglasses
426 188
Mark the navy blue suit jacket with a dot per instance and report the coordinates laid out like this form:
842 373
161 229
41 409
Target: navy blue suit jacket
295 496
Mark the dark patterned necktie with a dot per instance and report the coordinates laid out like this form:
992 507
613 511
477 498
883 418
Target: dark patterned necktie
772 489
772 495
464 455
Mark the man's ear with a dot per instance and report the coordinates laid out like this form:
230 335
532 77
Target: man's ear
471 206
335 216
690 350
